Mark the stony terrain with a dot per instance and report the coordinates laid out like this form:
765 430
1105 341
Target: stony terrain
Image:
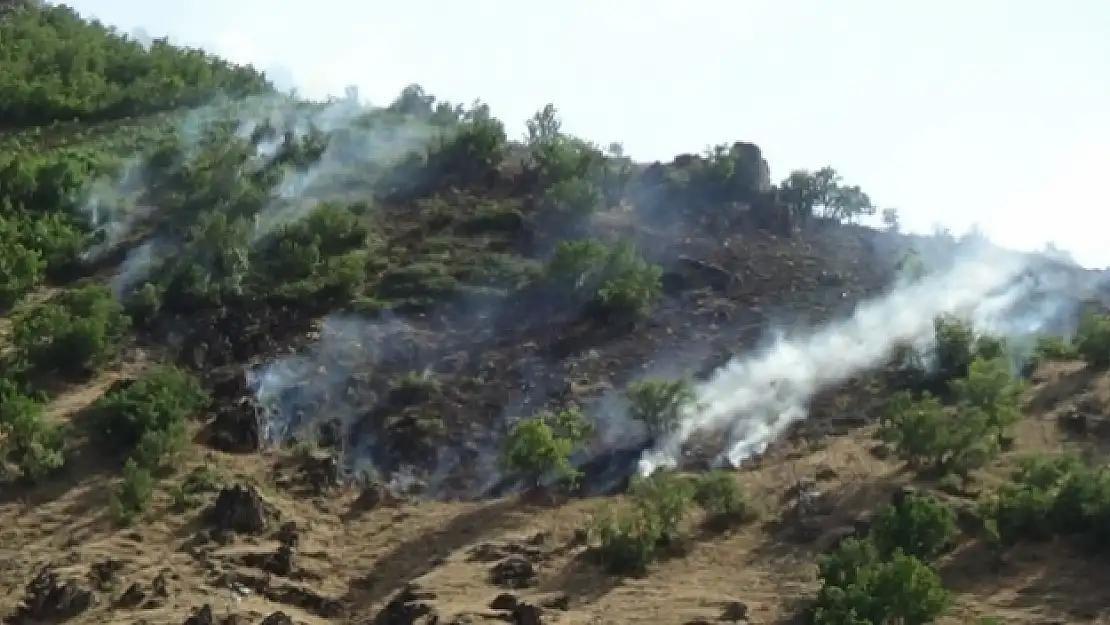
261 360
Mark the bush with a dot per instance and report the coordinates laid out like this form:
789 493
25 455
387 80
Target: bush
21 268
723 499
628 539
955 347
632 285
617 279
631 537
1049 348
660 404
570 201
73 333
1092 340
859 587
543 445
320 251
666 496
147 418
187 494
918 525
1051 497
990 386
577 265
133 494
929 435
29 445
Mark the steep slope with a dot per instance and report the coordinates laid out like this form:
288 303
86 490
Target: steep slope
265 356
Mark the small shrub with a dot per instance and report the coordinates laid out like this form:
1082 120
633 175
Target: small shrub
577 264
1092 340
73 333
631 537
860 587
632 285
21 268
990 386
148 417
666 496
660 404
571 200
954 349
919 525
1050 348
616 278
628 539
929 435
543 445
133 495
29 445
187 494
723 499
1050 497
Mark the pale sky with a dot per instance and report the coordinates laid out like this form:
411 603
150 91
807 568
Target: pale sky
958 112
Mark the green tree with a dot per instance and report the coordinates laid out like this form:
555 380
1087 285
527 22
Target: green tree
134 493
823 194
67 68
918 525
660 404
723 499
147 418
543 444
932 436
31 446
631 536
860 587
1092 339
74 332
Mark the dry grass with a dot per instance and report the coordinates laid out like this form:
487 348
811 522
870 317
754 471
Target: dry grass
361 558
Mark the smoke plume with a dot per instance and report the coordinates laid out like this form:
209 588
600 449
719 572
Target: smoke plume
755 398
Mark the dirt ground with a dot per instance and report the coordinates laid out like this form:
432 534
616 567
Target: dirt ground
349 562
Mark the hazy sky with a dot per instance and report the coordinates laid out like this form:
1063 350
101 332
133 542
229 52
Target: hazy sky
958 112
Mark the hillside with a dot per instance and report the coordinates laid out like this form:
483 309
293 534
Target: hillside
272 361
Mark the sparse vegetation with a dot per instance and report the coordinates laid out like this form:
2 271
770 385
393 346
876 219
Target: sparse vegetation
398 280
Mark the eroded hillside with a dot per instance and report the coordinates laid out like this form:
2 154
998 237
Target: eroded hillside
272 361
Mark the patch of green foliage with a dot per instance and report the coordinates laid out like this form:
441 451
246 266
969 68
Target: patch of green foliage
967 428
543 444
887 576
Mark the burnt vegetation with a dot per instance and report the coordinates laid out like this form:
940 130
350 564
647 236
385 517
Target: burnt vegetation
328 282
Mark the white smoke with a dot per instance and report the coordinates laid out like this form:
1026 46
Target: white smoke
756 398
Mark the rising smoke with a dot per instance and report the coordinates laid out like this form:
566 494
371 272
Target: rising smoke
355 141
754 398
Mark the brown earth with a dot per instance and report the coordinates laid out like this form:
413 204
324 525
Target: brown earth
349 562
363 555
